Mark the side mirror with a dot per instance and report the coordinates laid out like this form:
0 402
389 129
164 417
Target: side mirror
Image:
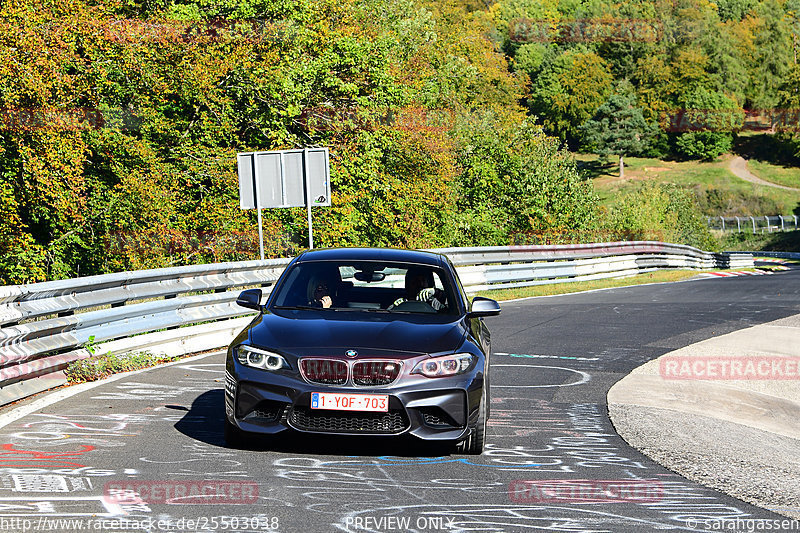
251 298
483 307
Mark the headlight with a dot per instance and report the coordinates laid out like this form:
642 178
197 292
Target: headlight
445 365
256 358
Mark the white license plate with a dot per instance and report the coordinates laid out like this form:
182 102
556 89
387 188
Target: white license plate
350 402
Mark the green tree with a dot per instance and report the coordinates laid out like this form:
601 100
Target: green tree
789 95
734 10
773 54
727 65
569 90
517 180
618 128
707 120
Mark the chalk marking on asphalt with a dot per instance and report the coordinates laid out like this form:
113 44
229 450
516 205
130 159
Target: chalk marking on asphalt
585 377
197 368
68 392
536 356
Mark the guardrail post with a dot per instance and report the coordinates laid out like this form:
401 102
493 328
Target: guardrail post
795 221
769 228
723 223
754 225
738 225
781 217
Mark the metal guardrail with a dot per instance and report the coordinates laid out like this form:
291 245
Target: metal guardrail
175 311
776 255
760 224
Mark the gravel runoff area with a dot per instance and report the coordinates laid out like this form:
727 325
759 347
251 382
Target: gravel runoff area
738 436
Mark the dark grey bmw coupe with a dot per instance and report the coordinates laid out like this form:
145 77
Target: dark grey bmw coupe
363 341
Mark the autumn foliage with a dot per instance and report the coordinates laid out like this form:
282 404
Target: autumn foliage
120 121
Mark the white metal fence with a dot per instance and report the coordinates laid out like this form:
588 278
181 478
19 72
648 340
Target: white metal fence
175 311
760 224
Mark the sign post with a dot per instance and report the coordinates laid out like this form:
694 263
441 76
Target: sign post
282 179
308 198
257 195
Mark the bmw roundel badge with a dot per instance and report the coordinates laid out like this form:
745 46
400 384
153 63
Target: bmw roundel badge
351 353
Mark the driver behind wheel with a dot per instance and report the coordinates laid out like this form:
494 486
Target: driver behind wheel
420 286
320 290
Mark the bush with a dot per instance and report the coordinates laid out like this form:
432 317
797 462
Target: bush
711 118
664 213
721 202
788 241
706 145
106 365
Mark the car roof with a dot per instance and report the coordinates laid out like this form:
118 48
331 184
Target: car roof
373 254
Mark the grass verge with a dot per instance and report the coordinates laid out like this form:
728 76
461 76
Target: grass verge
102 366
719 192
552 289
788 241
786 176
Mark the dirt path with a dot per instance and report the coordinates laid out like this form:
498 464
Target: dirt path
738 166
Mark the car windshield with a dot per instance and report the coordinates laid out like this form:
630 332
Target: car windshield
369 286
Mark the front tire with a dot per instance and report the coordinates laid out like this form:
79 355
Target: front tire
234 437
474 444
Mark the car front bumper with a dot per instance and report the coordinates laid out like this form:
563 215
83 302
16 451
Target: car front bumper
428 408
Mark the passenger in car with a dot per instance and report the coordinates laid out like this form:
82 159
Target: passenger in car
420 286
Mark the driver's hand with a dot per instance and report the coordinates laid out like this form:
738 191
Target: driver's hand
426 295
326 301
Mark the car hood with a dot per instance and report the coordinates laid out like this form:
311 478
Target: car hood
331 333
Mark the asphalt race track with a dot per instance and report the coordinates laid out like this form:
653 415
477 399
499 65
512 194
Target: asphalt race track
71 466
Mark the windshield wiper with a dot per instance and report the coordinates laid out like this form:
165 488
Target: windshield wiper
295 307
